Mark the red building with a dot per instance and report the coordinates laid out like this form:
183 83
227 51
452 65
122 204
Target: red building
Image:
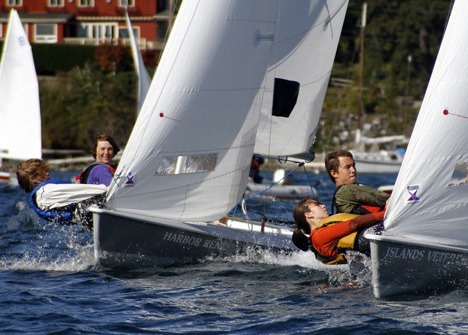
91 21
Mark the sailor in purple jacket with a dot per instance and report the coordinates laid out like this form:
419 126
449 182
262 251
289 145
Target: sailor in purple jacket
101 171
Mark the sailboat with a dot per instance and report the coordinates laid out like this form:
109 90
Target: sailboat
424 245
230 69
144 79
20 129
382 154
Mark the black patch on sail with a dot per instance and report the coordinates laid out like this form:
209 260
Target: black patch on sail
284 97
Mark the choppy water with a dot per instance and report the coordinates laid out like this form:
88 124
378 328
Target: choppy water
50 284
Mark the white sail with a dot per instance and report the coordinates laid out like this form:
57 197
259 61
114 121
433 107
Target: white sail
306 39
189 154
20 128
430 198
144 79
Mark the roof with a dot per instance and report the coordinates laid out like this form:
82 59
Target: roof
39 17
115 18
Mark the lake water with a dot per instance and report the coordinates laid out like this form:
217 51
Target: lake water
50 284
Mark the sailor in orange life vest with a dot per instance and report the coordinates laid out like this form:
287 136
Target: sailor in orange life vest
101 171
329 237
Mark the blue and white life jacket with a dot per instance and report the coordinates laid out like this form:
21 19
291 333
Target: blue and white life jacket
60 215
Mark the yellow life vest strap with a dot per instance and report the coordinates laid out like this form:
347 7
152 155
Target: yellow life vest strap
336 218
347 242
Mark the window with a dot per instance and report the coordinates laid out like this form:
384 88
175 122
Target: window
459 174
284 97
123 32
85 3
14 2
98 31
56 3
161 5
162 30
187 164
46 33
129 3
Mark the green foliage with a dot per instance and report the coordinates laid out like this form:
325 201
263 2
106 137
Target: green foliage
83 100
401 41
51 59
113 58
77 105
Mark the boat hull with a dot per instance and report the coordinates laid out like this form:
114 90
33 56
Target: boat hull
8 178
404 267
377 163
280 191
363 166
131 241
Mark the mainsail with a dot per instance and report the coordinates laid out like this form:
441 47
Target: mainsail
303 51
20 126
144 79
430 199
189 154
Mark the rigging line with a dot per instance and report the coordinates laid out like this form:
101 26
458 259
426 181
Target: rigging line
332 16
307 175
273 184
448 16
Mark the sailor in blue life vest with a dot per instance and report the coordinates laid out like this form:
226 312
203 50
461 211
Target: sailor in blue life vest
55 200
101 171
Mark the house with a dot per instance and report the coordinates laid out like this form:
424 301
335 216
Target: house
92 21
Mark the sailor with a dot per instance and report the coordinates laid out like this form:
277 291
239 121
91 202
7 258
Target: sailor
350 197
55 200
101 171
255 164
329 237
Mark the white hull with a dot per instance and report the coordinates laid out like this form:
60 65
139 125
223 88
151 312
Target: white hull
402 266
280 191
8 178
379 162
132 241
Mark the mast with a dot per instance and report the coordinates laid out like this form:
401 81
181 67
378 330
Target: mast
360 105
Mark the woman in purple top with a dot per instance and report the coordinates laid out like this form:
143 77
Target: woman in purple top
101 171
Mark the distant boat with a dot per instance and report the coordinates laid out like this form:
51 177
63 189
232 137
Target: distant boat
279 188
424 245
226 65
380 154
144 79
20 126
